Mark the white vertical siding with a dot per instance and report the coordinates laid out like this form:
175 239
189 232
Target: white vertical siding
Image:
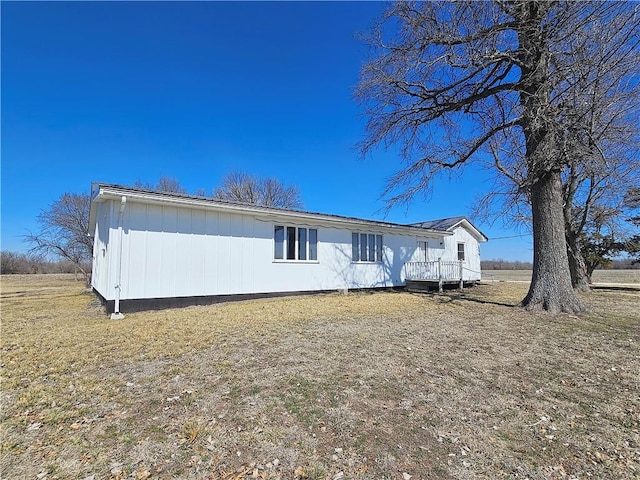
177 252
198 257
153 250
235 254
471 249
223 246
102 245
247 242
134 244
184 252
210 244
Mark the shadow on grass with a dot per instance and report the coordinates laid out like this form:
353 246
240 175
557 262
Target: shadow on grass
457 295
617 288
462 296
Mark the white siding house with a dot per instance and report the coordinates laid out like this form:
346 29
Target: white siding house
151 246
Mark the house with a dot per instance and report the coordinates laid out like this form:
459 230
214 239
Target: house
153 249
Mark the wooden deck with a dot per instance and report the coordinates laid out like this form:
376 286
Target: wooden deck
430 285
424 276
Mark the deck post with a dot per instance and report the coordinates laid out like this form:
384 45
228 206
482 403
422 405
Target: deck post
461 280
440 275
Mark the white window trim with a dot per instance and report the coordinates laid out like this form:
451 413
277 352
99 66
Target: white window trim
464 251
375 235
284 246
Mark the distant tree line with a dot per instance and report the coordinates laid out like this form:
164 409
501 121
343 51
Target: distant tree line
21 263
502 264
615 264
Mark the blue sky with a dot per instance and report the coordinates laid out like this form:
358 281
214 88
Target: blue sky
124 91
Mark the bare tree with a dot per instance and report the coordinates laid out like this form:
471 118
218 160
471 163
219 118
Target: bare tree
599 147
269 192
471 81
601 142
593 206
64 231
15 262
18 262
632 202
165 184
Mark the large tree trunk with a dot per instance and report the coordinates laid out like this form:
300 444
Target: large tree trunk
577 267
550 288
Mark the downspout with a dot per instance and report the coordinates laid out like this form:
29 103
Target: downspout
116 315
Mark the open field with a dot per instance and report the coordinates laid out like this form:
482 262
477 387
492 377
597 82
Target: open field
374 385
599 276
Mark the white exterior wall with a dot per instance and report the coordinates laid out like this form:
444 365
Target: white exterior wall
170 251
102 249
471 271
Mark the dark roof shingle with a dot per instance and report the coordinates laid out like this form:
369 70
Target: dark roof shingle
440 224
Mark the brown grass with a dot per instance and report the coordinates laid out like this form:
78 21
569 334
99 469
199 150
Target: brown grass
462 385
630 277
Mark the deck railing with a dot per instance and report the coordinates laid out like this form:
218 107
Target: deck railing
438 270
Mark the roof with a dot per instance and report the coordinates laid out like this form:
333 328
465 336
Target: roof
449 224
103 191
440 224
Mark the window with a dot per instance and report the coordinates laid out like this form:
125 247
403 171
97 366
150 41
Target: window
461 252
355 239
302 244
278 236
295 243
313 244
372 247
366 247
291 243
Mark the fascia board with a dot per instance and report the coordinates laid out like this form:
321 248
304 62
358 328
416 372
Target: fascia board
368 226
469 226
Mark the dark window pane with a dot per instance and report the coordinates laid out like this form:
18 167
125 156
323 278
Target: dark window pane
372 247
278 236
461 251
313 244
355 256
378 248
363 247
422 251
302 244
291 243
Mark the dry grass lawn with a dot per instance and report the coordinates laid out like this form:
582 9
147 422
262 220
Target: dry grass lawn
461 385
599 276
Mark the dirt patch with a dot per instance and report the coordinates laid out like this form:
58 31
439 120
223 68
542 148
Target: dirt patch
462 385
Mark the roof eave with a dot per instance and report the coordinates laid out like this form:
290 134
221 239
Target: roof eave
481 237
108 192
